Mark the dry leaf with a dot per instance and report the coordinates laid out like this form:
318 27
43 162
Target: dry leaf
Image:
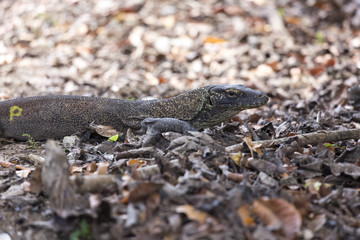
292 20
75 169
34 184
105 131
23 173
143 190
236 157
193 214
316 71
214 40
5 164
274 65
102 168
285 212
253 147
317 222
236 177
91 167
267 215
277 214
135 163
244 213
330 62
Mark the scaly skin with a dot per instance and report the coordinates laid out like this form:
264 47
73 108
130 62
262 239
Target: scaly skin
58 116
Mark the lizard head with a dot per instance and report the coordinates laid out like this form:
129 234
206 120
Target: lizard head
225 101
236 97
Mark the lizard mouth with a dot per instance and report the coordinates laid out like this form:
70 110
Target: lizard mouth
241 104
236 97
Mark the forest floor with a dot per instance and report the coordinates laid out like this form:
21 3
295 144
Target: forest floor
222 183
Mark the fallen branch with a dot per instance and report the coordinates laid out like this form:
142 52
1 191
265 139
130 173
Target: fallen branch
94 183
305 139
135 152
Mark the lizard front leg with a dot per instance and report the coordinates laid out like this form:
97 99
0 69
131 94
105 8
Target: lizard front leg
154 127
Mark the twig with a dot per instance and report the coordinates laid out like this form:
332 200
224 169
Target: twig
135 152
305 139
93 184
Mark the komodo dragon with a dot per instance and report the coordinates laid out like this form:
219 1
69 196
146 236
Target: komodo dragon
54 117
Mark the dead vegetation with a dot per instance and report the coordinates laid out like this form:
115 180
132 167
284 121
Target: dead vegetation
288 170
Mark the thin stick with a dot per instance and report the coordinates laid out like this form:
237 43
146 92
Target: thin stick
305 139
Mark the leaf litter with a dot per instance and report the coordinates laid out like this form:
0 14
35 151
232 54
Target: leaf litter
259 176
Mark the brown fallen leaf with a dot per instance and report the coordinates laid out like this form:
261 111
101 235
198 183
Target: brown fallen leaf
5 164
143 190
91 167
34 185
236 177
214 40
75 169
196 215
329 62
253 146
316 71
292 20
244 213
277 215
102 168
136 163
267 215
284 212
105 131
274 65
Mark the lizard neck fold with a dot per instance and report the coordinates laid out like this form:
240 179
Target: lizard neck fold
185 106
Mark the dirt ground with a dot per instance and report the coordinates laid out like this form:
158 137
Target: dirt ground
232 181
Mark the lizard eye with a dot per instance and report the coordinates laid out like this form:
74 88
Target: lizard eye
231 94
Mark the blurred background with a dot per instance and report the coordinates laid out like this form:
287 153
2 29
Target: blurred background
134 49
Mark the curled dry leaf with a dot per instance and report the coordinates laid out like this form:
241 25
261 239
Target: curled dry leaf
244 213
253 146
277 214
91 167
143 190
75 169
267 215
5 164
105 131
285 212
196 215
136 163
